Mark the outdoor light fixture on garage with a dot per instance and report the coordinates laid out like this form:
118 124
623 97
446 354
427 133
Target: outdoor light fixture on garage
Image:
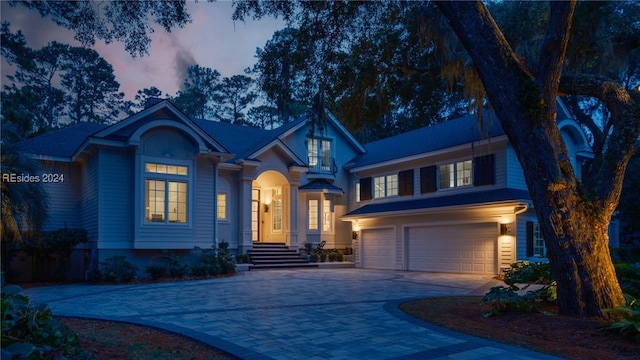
503 229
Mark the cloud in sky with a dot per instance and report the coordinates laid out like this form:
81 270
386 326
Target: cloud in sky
211 40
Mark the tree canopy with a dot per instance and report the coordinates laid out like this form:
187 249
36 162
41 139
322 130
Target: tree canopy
54 86
130 22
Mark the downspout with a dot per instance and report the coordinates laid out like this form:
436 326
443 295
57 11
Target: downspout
520 209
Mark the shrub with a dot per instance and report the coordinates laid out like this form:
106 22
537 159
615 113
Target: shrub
215 262
506 299
156 271
57 244
207 264
629 324
522 272
242 259
225 259
32 332
118 270
629 278
174 265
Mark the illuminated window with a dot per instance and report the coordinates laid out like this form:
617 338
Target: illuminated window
222 206
327 215
276 196
313 214
166 193
319 151
385 186
456 174
463 174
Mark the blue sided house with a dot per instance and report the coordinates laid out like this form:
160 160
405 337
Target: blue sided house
448 198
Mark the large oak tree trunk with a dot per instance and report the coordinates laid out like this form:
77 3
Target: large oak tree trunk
573 218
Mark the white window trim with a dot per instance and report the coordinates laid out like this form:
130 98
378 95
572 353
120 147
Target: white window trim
537 238
454 181
188 179
385 186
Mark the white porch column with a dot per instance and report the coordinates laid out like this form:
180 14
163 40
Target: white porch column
245 187
294 183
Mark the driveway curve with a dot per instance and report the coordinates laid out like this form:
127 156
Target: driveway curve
293 314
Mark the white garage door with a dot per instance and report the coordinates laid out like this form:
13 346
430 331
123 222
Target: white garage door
460 248
378 249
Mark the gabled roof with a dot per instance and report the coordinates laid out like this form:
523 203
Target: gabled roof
62 143
473 198
244 141
431 138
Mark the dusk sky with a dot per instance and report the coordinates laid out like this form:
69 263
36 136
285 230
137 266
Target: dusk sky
211 40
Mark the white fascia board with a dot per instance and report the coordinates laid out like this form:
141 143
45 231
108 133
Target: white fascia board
279 144
449 209
50 158
94 141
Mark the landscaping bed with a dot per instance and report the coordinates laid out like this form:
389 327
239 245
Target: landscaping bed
117 341
547 332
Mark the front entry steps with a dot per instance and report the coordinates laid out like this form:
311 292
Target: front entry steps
276 256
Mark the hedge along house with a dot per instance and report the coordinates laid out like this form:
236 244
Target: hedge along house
449 197
160 180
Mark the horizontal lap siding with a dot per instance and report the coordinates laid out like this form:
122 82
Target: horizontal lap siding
89 195
116 198
515 176
204 211
64 198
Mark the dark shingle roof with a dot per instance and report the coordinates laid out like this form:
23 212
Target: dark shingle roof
242 140
474 198
63 142
450 133
321 184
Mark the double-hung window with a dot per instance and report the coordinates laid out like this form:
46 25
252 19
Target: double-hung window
385 186
319 151
539 247
455 174
166 193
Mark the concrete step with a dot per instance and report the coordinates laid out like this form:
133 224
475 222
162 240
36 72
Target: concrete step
276 256
283 266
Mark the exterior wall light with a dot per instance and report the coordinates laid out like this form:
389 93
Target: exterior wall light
266 208
503 229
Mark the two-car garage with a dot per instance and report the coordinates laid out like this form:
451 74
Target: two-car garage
459 248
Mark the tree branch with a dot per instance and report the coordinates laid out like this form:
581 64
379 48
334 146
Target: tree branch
608 167
553 52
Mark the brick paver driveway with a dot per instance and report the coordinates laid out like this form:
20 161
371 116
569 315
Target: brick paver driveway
293 314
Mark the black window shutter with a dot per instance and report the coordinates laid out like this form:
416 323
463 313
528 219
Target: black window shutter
405 180
428 179
484 170
365 189
529 238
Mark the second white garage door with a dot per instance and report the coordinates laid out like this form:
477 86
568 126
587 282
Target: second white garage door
460 248
378 249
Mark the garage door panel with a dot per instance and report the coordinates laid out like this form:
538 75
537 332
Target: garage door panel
462 248
378 249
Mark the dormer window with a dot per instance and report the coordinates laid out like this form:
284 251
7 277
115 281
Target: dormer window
319 151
